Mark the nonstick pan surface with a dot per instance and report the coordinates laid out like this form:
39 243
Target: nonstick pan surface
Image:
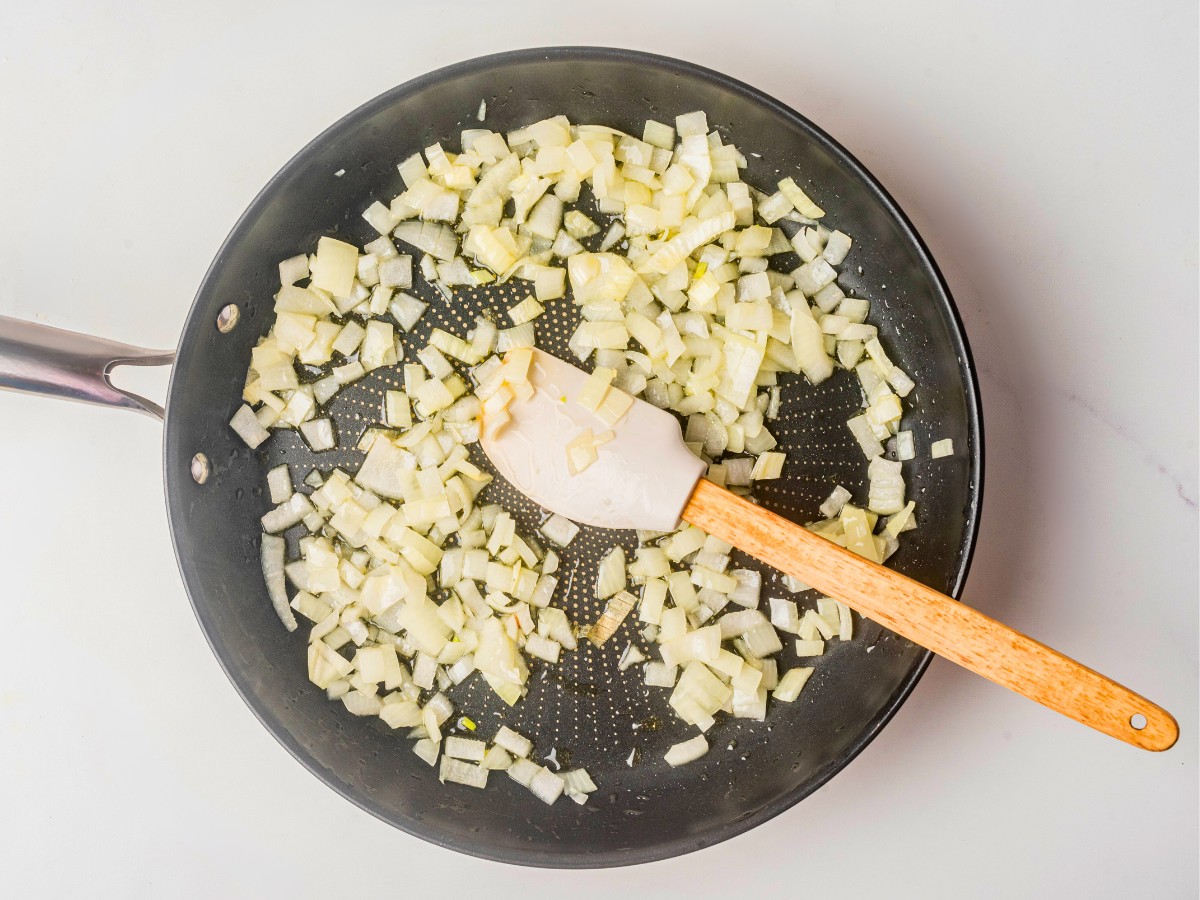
583 709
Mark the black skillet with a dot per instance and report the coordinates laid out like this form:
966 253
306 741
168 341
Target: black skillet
584 708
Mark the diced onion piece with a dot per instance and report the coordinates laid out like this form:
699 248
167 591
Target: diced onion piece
542 648
335 265
464 748
845 622
807 341
516 744
247 427
768 466
517 336
272 555
614 406
615 611
659 674
688 240
810 648
801 201
287 514
687 751
426 749
887 486
380 217
319 434
406 310
861 429
526 311
397 410
279 483
784 615
546 786
792 683
293 270
858 533
835 501
459 772
578 782
610 576
748 589
762 640
900 520
654 594
581 451
704 577
774 207
944 447
559 529
522 771
439 241
692 123
595 387
836 248
496 758
703 645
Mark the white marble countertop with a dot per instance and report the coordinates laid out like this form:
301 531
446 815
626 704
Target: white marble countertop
1046 152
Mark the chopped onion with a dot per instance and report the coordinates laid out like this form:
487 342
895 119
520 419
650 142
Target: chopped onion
861 429
514 743
792 683
426 749
800 201
287 514
272 553
610 577
319 434
901 521
784 615
810 648
659 674
496 758
246 424
631 656
459 772
578 781
836 248
559 529
279 483
546 786
944 447
687 751
334 267
522 771
618 607
464 748
887 486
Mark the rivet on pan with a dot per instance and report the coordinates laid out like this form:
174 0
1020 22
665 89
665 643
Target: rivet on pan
227 318
200 468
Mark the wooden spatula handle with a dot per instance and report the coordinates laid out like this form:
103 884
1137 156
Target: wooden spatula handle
933 620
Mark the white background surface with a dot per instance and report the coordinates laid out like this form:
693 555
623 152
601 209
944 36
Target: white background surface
1047 153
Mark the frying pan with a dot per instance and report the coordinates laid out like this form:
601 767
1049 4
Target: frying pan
583 712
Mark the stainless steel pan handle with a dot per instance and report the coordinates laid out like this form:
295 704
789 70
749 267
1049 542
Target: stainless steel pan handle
38 359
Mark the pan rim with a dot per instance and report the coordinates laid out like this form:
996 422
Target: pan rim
538 856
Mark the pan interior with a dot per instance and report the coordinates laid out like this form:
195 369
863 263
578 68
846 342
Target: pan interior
583 709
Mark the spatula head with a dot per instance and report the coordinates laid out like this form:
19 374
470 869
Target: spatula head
642 478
